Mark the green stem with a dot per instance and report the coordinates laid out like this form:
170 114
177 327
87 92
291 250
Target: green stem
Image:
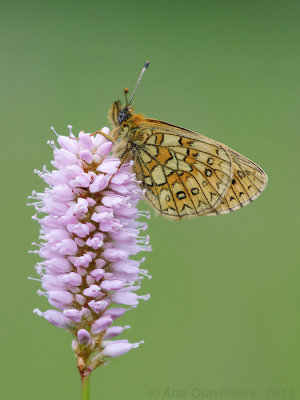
85 387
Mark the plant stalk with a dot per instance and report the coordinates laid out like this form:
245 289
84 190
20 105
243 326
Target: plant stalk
85 387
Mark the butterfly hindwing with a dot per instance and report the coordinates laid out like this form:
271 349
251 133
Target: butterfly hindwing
248 181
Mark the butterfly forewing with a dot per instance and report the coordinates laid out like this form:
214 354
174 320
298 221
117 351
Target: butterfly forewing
183 173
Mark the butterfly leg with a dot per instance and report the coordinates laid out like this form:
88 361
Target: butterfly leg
103 134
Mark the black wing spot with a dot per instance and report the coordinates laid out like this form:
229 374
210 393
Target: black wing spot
194 191
241 194
208 172
231 198
210 161
211 195
180 195
233 181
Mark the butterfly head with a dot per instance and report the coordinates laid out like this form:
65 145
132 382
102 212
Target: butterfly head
120 114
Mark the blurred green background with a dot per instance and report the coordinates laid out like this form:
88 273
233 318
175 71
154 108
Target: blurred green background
224 312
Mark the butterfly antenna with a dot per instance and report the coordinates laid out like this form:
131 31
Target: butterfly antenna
126 90
146 65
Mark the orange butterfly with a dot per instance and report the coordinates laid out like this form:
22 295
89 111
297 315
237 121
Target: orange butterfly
183 173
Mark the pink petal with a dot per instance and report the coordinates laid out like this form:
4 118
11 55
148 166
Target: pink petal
56 318
98 306
84 337
86 156
86 140
113 284
114 254
100 324
104 149
109 165
73 314
99 184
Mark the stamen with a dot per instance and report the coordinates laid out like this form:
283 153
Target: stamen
34 279
36 244
127 327
52 144
41 293
39 173
135 345
144 297
144 272
145 214
54 131
70 128
38 312
45 169
143 239
40 269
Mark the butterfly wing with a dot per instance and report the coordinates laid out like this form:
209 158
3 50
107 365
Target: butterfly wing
183 173
248 181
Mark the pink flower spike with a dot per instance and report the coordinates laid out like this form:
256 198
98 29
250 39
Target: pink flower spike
89 228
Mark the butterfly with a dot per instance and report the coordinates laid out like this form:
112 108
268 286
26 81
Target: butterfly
183 173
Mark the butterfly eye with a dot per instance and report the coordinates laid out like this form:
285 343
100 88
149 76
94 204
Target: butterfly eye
123 115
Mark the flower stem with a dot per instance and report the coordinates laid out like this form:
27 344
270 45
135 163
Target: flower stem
85 387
